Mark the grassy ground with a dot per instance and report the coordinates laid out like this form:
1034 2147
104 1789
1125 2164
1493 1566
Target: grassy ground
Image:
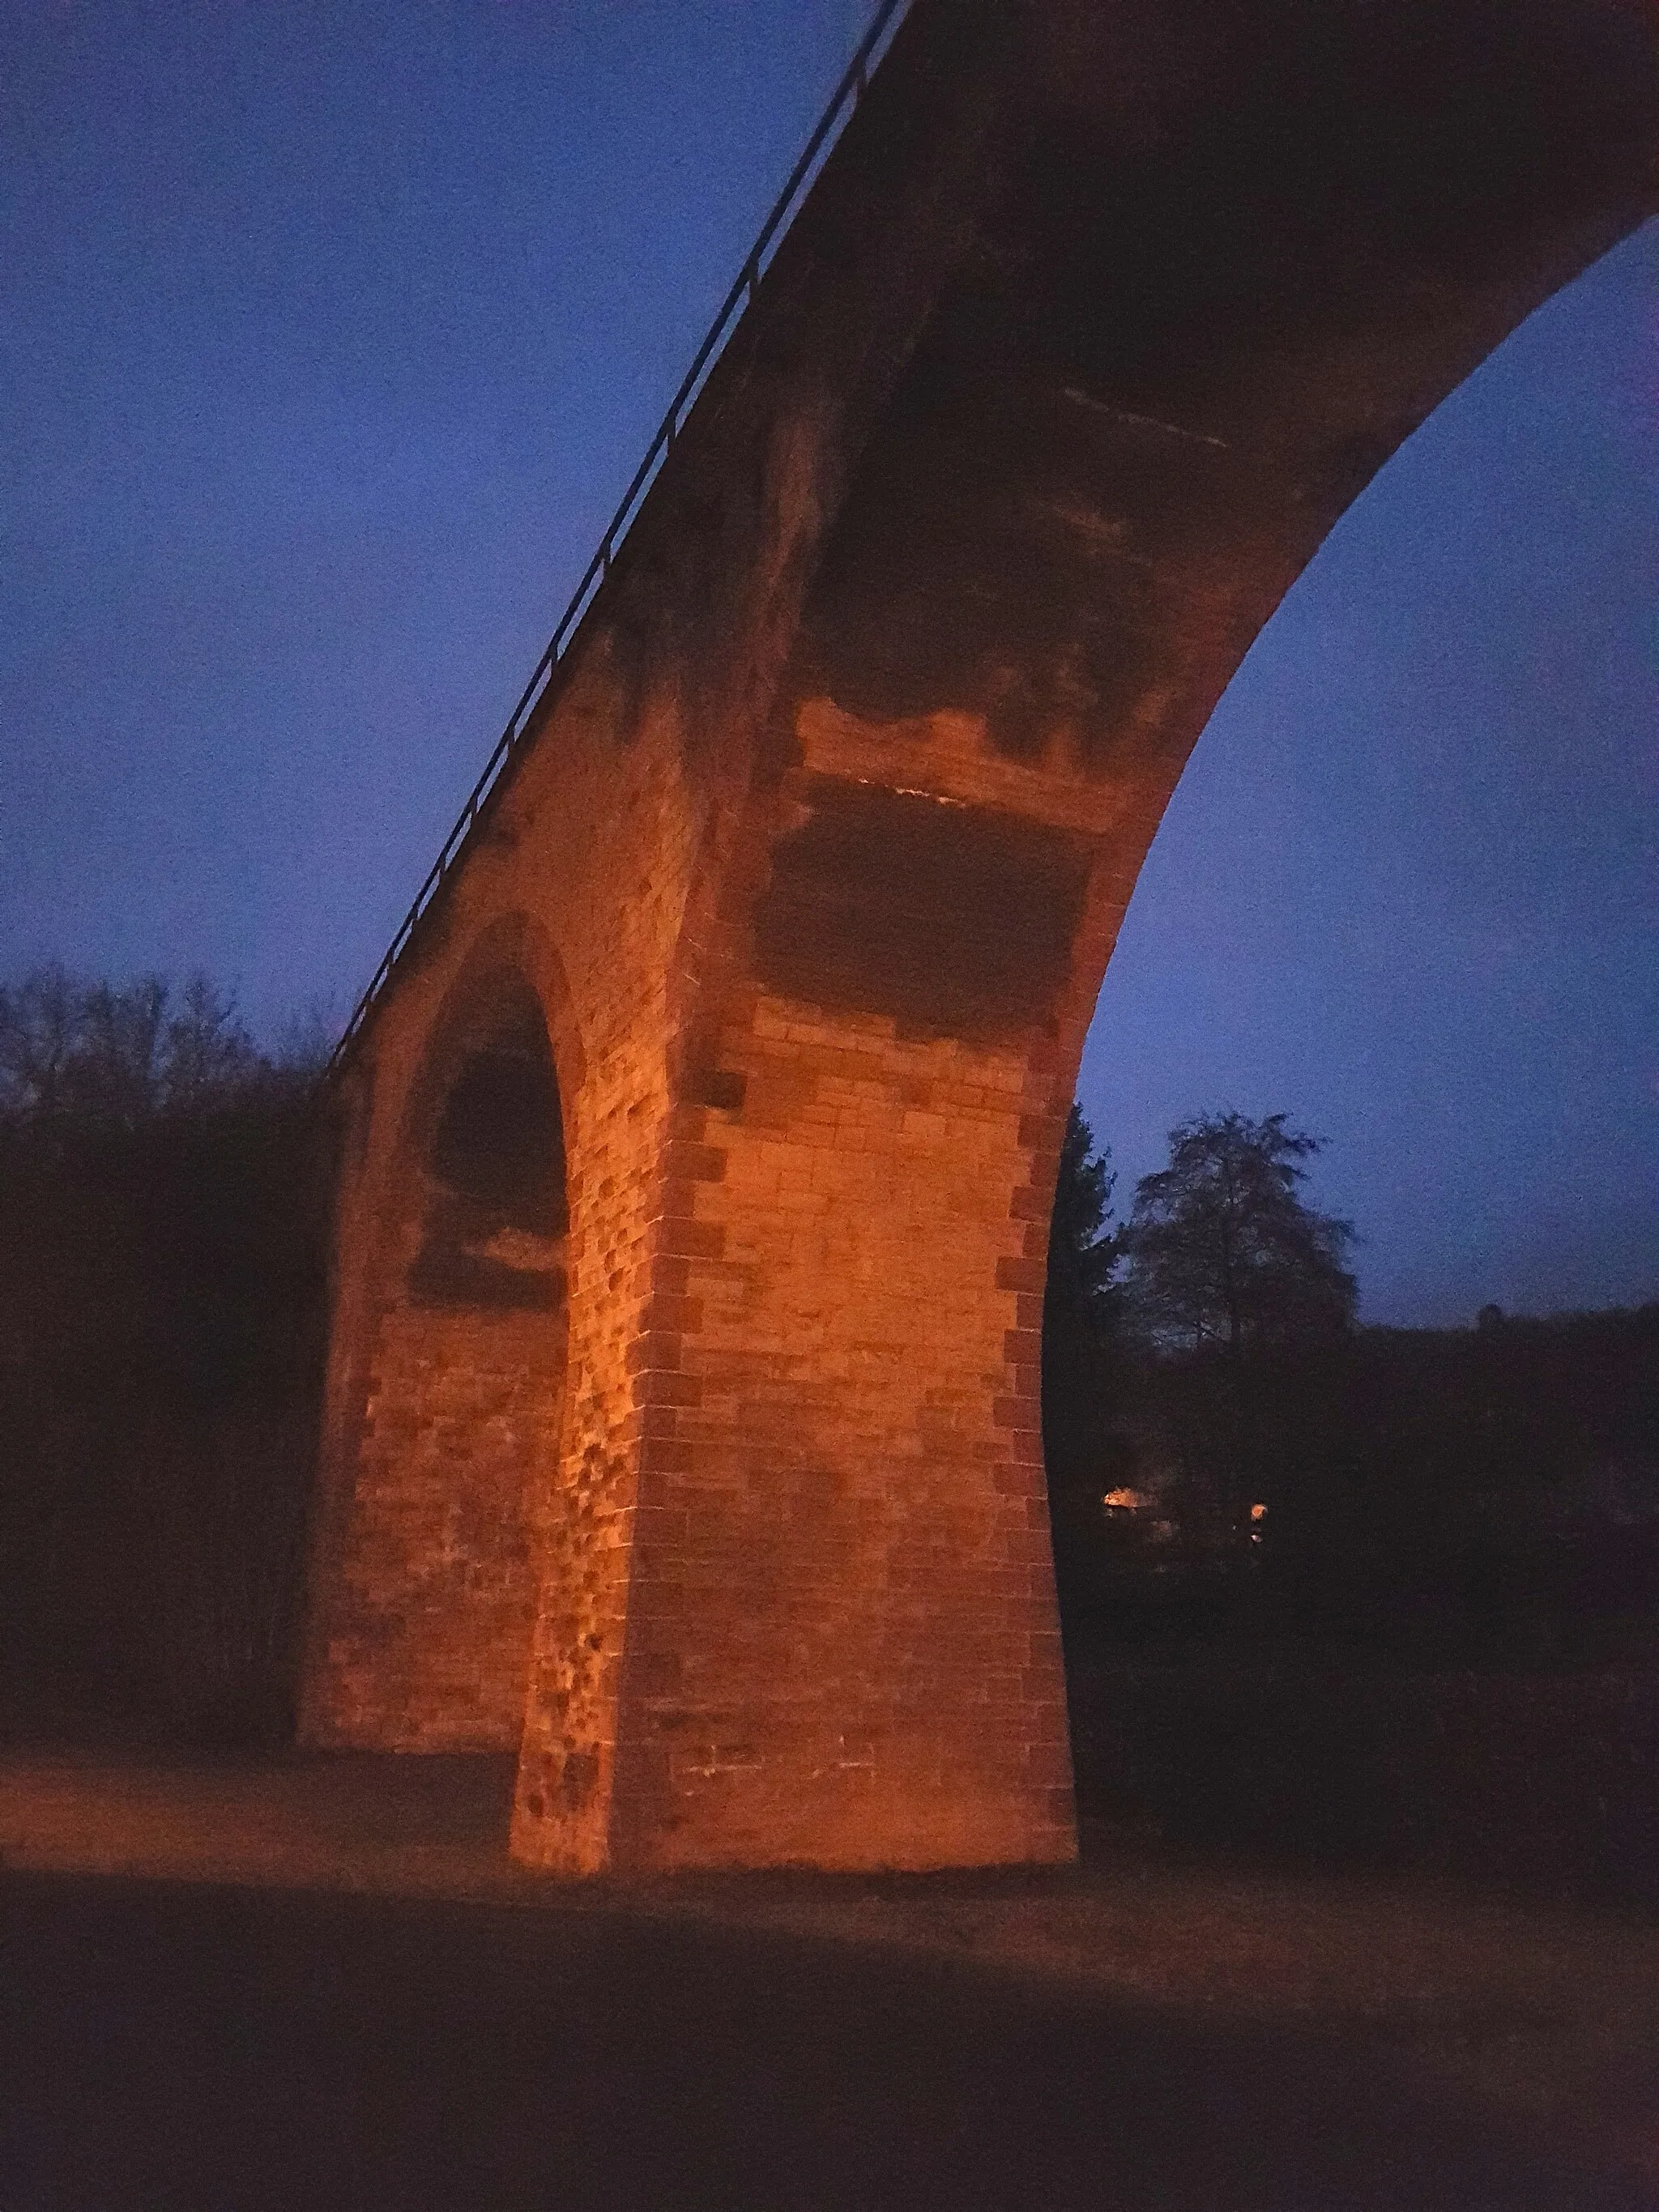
1137 2031
1542 1777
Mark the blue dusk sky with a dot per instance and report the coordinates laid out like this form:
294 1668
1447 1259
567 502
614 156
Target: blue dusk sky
329 337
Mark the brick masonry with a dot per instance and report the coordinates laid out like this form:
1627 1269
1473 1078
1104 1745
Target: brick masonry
734 1518
459 1445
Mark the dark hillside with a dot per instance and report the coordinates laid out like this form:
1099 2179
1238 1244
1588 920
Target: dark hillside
163 1208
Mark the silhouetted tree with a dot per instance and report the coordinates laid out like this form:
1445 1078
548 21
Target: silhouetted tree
1228 1269
1082 1247
1222 1249
83 1058
1080 1365
164 1194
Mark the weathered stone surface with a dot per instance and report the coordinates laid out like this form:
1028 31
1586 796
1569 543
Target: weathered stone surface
720 1464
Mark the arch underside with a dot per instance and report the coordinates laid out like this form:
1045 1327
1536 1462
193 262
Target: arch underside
1183 338
1097 320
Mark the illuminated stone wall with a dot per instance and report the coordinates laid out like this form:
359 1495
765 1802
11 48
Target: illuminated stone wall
440 1577
844 1647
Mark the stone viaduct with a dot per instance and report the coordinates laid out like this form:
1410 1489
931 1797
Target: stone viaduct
682 1422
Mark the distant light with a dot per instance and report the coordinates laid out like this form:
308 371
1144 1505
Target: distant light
1122 1501
1258 1513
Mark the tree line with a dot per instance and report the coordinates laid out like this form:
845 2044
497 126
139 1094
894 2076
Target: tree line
1231 1455
164 1198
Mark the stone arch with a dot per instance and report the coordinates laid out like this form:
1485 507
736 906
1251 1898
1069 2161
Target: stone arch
1211 269
452 1435
1095 321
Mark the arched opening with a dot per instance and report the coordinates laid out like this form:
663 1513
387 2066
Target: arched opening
495 1214
463 1394
1398 897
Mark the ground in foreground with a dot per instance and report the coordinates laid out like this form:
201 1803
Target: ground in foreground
319 1984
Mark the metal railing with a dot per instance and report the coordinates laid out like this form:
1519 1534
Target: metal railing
845 98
